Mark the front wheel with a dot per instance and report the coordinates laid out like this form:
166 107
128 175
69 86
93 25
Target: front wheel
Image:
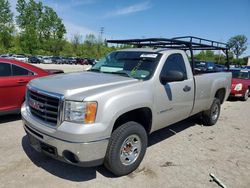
211 116
126 148
245 97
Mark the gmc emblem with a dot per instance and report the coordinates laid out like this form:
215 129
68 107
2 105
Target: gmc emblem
36 105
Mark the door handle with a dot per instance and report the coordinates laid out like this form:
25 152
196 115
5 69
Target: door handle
22 81
186 88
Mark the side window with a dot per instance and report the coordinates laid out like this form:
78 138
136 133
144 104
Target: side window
5 69
174 62
18 71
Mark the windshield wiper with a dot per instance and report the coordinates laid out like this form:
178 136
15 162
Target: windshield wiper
138 59
122 74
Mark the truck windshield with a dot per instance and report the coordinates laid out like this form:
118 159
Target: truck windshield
138 65
240 75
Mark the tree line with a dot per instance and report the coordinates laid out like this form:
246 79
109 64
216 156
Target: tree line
237 45
37 29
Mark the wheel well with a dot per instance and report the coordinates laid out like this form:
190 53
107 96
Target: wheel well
142 116
220 94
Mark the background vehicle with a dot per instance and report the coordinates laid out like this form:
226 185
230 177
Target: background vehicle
14 75
40 58
204 66
81 61
7 56
127 95
92 61
57 60
34 59
20 58
47 60
220 68
240 83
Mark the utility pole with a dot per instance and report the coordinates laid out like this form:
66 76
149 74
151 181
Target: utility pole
101 32
100 41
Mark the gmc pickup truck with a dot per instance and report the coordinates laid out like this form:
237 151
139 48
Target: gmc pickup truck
104 116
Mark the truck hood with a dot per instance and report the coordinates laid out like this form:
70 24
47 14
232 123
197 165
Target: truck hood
83 83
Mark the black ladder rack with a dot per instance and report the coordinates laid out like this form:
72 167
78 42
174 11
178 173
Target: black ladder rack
184 43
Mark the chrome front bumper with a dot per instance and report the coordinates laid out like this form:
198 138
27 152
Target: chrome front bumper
80 154
75 152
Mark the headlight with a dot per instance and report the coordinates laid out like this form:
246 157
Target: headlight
80 112
238 87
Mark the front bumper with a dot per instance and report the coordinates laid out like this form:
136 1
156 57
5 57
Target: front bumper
79 153
235 93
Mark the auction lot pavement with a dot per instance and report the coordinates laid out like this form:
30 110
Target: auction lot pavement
181 155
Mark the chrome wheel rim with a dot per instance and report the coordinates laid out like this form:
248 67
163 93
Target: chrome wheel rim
215 112
130 149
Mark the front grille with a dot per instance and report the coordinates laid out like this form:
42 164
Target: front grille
44 107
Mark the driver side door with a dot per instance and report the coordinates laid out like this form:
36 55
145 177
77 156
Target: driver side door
173 100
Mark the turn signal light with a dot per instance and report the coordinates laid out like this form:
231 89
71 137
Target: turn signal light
90 112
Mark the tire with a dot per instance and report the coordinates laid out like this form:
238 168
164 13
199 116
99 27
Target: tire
246 94
129 136
211 116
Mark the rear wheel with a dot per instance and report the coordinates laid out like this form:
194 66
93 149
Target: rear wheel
245 97
126 148
211 116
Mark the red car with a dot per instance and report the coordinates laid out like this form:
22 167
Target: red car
14 76
240 84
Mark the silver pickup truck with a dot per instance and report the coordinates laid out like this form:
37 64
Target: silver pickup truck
104 116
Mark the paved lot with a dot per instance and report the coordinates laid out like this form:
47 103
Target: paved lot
181 155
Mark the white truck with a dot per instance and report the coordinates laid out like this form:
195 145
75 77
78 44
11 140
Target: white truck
104 116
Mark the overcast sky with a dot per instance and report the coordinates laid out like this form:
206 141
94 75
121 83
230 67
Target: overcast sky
212 19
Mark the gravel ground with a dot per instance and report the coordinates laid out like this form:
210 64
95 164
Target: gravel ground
181 155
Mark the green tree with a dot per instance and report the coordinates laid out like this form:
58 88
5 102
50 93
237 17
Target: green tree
238 44
90 39
205 55
90 46
6 24
67 49
76 41
208 55
41 28
51 25
51 31
29 15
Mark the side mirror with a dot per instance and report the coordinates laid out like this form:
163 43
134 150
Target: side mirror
172 76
